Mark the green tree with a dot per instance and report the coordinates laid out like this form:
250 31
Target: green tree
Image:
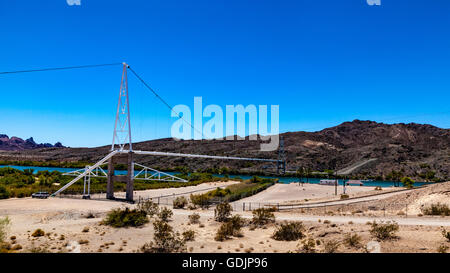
407 182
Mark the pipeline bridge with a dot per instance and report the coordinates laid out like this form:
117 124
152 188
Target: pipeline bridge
122 147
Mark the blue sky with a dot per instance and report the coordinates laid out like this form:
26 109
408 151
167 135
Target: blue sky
324 62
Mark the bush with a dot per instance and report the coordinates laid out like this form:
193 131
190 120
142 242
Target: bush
442 249
446 234
352 240
194 218
407 182
384 231
180 202
164 240
222 212
200 200
230 228
38 233
126 218
148 207
289 232
189 235
308 246
4 224
4 194
165 214
331 246
344 196
263 216
437 209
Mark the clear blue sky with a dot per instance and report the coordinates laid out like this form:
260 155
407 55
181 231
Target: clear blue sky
323 62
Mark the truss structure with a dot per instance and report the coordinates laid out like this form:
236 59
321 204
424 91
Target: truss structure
122 126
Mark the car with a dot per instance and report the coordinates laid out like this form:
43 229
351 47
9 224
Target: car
41 195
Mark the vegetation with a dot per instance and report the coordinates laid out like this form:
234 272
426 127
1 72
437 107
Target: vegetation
230 228
290 231
189 235
165 214
18 183
4 224
194 218
384 231
308 246
263 216
233 192
352 240
437 209
331 246
407 182
38 233
126 218
165 240
446 234
180 202
222 212
148 207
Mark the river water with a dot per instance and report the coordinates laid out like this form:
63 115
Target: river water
286 180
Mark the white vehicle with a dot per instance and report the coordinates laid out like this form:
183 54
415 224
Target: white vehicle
327 182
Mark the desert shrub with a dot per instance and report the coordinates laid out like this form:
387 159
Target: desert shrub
148 206
263 216
344 196
352 240
331 246
125 218
290 231
180 202
165 214
308 246
85 229
200 200
222 212
4 193
194 218
446 234
38 233
378 188
230 228
437 209
442 249
384 231
165 240
188 235
4 224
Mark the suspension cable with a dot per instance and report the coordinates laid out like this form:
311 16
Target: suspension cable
163 101
58 68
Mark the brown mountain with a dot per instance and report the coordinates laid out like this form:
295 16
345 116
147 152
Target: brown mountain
16 143
414 149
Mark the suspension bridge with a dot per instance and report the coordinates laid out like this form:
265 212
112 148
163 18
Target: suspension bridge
122 147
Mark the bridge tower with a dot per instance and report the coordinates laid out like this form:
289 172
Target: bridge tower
281 163
121 139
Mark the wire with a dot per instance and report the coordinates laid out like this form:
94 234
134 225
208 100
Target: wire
58 68
163 101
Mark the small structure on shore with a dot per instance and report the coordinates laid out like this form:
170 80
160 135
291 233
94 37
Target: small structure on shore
354 183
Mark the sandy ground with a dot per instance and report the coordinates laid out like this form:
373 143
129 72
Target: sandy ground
64 220
298 193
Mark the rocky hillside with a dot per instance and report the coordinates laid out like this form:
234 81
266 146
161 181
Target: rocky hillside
16 143
417 150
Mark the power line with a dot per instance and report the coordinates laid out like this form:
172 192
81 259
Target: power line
58 68
163 101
